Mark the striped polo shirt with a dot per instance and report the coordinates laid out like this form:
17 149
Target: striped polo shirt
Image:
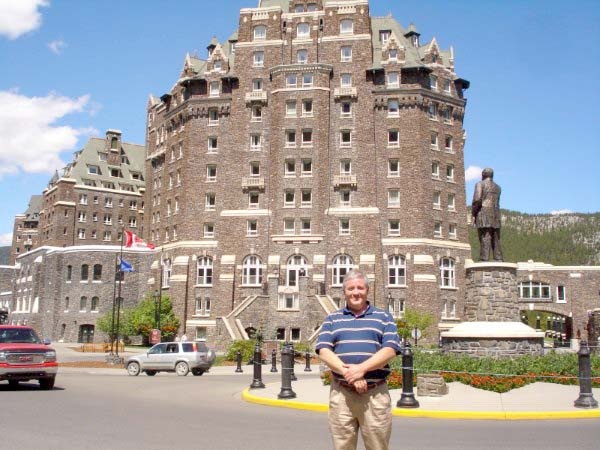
355 338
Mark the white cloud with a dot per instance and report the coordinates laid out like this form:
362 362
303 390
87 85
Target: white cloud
473 173
56 46
31 141
18 17
558 212
5 239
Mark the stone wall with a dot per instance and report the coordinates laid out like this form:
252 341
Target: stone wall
497 348
491 293
594 331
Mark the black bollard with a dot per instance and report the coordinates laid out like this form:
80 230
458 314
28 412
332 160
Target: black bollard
307 356
238 358
257 381
407 399
294 377
287 365
274 361
586 396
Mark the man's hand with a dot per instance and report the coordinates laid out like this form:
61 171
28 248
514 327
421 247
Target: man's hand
354 373
361 386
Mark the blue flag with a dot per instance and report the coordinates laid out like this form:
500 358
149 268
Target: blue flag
126 267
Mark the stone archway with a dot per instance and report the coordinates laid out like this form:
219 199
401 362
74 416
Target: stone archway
558 328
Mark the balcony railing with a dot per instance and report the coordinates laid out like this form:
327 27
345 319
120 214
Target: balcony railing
344 180
349 91
253 183
256 96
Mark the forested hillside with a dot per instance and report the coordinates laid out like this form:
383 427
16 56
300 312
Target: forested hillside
565 239
4 255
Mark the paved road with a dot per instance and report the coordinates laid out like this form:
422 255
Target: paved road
87 411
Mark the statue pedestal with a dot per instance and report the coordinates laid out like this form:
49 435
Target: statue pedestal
491 292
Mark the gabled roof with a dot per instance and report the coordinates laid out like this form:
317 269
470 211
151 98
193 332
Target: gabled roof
283 4
36 203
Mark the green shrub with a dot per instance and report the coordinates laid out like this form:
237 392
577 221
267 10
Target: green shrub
246 347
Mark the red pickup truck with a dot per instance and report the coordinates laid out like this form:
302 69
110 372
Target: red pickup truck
24 357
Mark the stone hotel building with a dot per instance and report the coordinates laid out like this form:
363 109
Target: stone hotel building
314 140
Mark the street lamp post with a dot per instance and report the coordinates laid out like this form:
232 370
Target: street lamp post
390 303
156 308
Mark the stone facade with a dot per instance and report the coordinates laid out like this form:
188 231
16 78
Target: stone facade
491 291
594 331
431 385
496 348
315 140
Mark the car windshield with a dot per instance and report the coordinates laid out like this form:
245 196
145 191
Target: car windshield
18 335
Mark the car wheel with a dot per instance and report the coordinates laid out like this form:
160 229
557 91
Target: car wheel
13 383
150 373
182 369
198 372
133 369
46 383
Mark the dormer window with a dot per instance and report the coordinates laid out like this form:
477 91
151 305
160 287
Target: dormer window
94 170
260 33
393 54
114 143
384 36
218 65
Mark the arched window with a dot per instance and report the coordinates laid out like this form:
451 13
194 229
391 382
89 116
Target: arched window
346 26
97 272
251 271
260 33
303 30
297 266
342 264
69 272
396 270
84 272
166 273
205 271
114 143
447 272
95 302
83 303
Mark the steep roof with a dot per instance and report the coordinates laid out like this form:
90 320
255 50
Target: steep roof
34 207
283 4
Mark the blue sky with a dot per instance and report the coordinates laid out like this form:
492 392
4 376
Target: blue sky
72 69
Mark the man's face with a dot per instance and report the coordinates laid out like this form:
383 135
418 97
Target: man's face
356 292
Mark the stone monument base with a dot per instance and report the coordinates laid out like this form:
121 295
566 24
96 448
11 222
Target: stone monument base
495 339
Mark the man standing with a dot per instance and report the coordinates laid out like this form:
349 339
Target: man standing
357 342
486 215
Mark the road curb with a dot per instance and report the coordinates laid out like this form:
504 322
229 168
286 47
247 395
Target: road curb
433 414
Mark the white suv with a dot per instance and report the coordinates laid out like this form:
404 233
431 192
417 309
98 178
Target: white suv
178 357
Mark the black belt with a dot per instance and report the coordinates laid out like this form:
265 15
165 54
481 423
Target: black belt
370 385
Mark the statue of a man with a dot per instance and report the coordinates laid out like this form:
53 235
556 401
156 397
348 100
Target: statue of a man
486 215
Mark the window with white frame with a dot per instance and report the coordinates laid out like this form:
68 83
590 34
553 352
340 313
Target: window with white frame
211 173
393 138
290 108
260 33
437 229
393 198
208 230
448 143
393 54
345 138
306 198
215 88
253 200
107 236
83 199
346 26
561 295
447 114
345 167
384 36
213 144
107 219
302 56
83 303
447 86
217 65
289 168
305 226
452 231
210 201
251 228
166 272
448 272
81 233
341 265
289 301
176 205
303 30
291 80
393 80
344 227
257 84
450 172
435 170
534 290
307 80
256 113
434 141
307 108
296 266
94 305
345 197
396 270
437 200
451 202
132 222
346 53
204 274
252 271
449 309
393 108
254 168
393 227
289 198
346 108
255 142
108 202
307 138
290 138
311 7
258 59
289 226
432 111
299 8
433 82
213 117
346 80
81 217
306 168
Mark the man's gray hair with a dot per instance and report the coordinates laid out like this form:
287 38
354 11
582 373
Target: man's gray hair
355 274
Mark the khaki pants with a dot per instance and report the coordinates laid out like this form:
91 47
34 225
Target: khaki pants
371 412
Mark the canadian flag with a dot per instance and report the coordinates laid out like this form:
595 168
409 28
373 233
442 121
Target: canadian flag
133 240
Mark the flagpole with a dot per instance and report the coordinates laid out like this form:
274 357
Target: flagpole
120 300
112 322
